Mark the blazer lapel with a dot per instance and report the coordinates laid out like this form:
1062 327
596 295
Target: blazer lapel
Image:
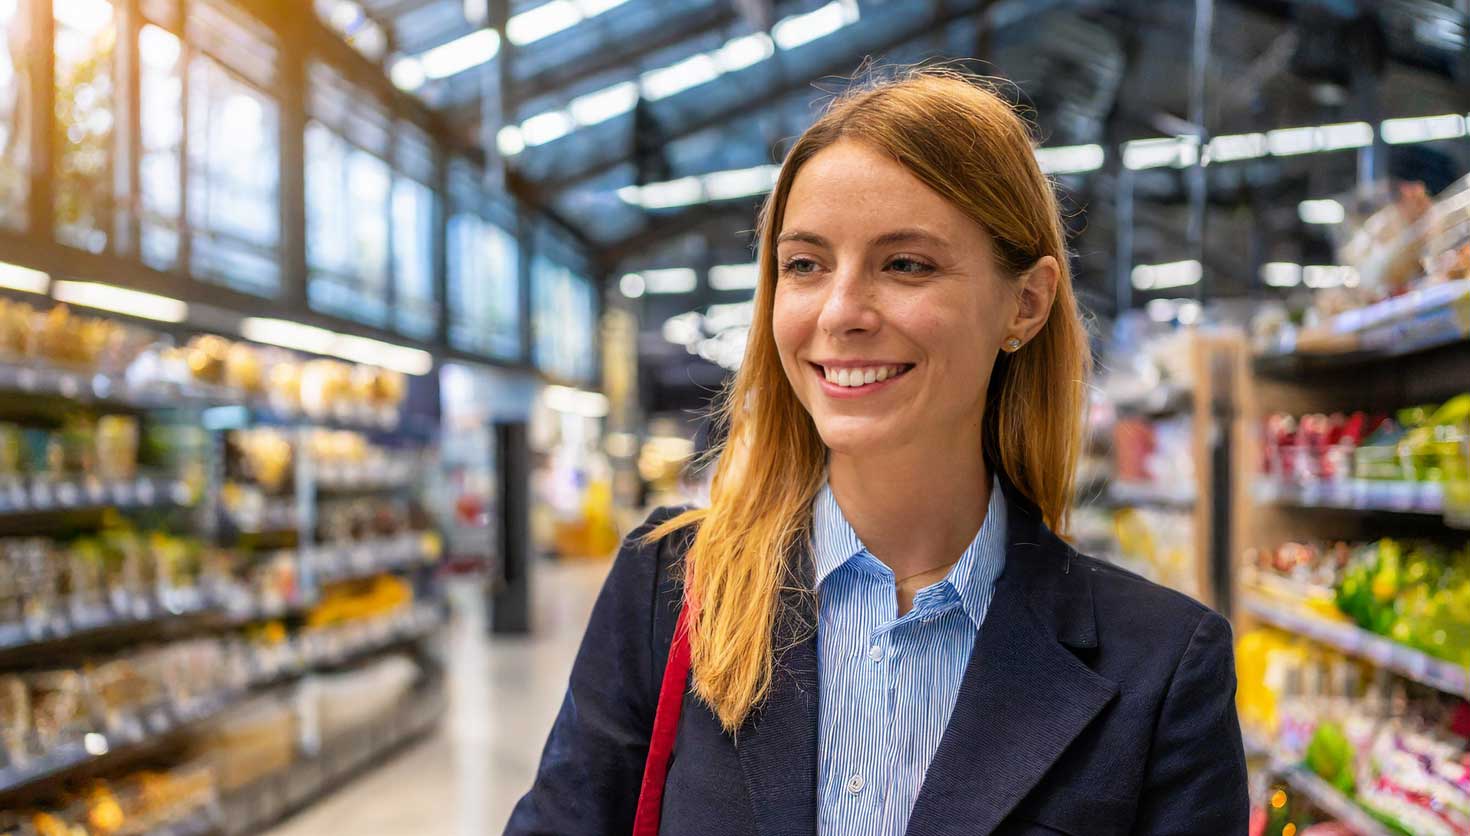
1024 696
778 745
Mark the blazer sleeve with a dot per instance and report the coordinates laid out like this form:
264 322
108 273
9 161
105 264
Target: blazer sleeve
592 766
1196 781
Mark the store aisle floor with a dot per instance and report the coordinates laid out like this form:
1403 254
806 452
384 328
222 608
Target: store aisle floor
504 694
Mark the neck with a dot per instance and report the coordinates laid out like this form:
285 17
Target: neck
913 509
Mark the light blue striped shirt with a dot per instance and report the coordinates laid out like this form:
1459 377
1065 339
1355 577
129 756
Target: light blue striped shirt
888 684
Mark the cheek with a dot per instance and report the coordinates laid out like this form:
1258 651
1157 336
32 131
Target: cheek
790 323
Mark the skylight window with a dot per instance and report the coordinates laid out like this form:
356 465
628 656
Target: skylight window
460 54
549 18
801 29
676 78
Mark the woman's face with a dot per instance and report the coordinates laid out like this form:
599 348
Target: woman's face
889 307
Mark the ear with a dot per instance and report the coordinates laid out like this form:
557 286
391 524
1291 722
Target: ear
1037 290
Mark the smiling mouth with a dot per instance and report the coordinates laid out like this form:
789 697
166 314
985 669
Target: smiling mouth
860 376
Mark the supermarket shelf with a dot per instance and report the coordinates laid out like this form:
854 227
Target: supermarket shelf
329 564
1162 400
1355 641
276 797
81 626
1362 495
158 727
1331 801
97 749
1130 493
40 495
204 821
33 378
1421 321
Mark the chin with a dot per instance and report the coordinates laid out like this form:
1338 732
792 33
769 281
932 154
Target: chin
854 436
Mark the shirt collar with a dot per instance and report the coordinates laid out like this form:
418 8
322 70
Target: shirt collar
835 543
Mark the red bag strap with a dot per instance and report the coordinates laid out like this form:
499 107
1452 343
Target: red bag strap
665 728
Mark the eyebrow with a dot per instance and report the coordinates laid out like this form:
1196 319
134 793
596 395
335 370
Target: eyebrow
898 236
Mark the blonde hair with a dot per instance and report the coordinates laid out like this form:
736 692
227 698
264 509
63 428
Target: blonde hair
971 147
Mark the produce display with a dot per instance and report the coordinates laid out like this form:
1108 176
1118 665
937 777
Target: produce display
1399 750
133 805
1422 445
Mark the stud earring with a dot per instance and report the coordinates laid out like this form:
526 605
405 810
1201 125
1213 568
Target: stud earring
1013 344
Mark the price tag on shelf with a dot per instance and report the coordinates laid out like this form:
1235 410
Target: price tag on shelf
27 380
122 493
146 492
68 494
69 385
96 493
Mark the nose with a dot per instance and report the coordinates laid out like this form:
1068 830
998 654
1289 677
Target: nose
849 307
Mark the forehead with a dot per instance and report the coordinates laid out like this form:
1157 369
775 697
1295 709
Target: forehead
851 187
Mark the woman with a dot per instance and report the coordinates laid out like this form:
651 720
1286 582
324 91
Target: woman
886 636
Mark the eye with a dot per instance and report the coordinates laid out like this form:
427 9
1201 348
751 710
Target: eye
909 266
799 265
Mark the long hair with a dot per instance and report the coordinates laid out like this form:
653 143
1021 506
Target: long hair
971 147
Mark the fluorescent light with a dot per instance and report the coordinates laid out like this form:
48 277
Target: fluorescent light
16 277
575 401
1070 159
288 334
1344 135
670 280
740 182
734 276
605 103
745 51
593 8
407 74
461 54
721 318
108 297
665 195
1162 310
542 21
546 127
1281 274
399 358
1177 151
796 30
509 141
632 285
1171 274
1321 211
1422 129
1232 147
678 77
1285 142
1189 312
309 338
476 12
1321 276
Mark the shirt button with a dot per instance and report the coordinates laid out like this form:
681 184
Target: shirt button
875 653
855 783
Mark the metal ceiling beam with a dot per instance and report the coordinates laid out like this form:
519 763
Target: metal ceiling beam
920 26
626 53
390 11
664 227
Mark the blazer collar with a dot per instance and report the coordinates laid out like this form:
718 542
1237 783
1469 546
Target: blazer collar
1023 698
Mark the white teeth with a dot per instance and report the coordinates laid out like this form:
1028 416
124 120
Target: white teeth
852 378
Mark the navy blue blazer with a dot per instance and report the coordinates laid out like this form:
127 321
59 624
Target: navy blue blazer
1095 703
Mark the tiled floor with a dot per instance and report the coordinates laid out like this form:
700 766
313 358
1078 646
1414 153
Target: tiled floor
504 694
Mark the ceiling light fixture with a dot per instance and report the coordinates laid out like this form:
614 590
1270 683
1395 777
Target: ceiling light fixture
1326 211
1281 274
311 339
734 276
796 30
670 280
123 300
1168 275
1422 128
1070 159
632 285
460 54
24 279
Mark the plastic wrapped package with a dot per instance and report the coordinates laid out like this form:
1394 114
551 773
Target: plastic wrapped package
1384 236
348 701
15 721
255 740
59 707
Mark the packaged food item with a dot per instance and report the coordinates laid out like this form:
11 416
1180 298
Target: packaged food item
15 721
58 707
117 447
